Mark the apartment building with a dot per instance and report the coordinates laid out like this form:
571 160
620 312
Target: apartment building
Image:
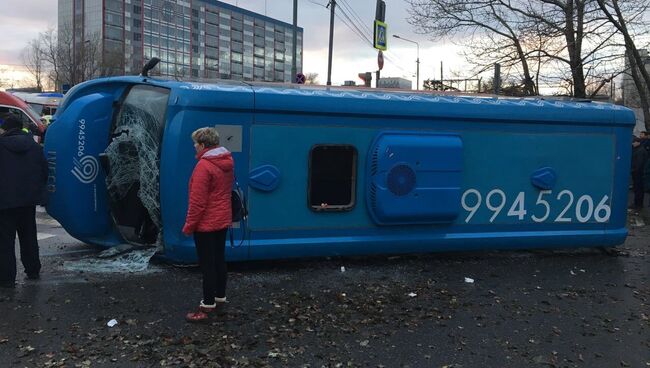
193 38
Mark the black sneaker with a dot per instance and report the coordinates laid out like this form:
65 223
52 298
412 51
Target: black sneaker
33 276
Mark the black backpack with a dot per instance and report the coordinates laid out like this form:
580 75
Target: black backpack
239 213
238 202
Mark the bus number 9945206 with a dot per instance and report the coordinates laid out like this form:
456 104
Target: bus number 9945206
496 201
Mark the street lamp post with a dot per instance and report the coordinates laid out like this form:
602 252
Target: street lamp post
417 61
294 69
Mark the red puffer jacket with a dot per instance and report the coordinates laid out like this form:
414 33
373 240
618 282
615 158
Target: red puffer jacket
210 189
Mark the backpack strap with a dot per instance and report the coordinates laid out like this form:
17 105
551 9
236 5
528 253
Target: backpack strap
242 222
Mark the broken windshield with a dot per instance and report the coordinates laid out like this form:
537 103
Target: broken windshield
133 157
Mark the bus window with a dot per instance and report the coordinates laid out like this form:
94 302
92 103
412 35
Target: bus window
332 177
38 108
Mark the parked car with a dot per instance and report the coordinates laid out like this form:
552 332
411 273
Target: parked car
14 105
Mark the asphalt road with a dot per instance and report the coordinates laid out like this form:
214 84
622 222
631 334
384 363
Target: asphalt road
571 308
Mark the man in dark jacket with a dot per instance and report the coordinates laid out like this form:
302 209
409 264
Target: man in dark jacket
639 159
23 169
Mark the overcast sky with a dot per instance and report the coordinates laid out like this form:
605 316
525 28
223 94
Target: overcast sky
22 20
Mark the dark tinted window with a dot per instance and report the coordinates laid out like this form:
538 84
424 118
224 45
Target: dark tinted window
332 177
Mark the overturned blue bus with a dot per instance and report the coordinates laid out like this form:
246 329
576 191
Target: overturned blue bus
334 171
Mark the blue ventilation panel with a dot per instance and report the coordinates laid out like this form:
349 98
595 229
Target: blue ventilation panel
414 178
265 178
544 178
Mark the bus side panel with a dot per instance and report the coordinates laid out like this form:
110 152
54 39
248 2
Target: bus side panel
287 148
500 208
622 167
178 159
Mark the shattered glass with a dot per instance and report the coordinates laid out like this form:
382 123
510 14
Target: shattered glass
136 260
133 158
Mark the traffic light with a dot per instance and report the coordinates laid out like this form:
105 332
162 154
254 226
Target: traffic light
366 78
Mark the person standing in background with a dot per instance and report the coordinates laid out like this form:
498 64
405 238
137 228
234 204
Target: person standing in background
645 140
209 215
23 186
639 159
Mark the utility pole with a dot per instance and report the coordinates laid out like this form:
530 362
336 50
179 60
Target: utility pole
417 71
329 60
417 60
294 69
497 78
379 36
442 84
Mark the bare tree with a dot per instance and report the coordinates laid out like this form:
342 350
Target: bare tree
622 14
493 28
34 61
5 81
529 37
587 38
67 60
311 78
57 53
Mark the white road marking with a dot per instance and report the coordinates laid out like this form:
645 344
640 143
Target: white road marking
47 221
42 236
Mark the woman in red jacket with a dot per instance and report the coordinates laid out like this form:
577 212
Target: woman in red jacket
208 216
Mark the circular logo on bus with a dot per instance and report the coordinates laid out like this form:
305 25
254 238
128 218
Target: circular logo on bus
86 169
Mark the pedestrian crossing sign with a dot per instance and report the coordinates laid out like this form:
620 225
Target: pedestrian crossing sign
381 34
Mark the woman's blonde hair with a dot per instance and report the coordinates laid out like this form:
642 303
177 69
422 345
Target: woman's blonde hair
208 136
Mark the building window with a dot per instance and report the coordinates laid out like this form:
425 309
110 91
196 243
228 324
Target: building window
237 47
137 23
258 73
113 33
137 37
259 41
137 9
211 40
211 18
114 19
332 177
211 29
211 52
